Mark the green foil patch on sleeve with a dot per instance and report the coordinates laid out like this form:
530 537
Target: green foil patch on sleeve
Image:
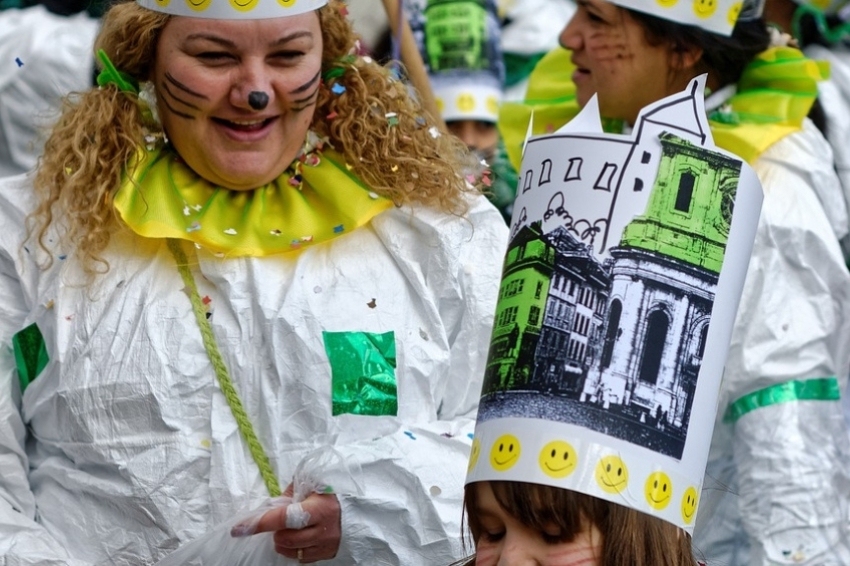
30 354
362 373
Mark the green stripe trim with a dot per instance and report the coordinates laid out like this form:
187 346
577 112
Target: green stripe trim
818 389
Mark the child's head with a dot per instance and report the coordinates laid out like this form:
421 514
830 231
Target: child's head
518 524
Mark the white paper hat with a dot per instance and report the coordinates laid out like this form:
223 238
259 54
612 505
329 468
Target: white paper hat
619 290
467 98
233 9
718 16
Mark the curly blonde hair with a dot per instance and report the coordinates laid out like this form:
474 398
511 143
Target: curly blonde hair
100 130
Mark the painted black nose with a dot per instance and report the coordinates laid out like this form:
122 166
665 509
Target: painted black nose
258 100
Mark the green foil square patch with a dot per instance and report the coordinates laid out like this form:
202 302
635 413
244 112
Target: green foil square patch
30 354
362 373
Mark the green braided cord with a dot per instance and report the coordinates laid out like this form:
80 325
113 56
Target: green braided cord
831 35
230 393
820 389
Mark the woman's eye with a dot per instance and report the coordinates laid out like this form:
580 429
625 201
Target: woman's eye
288 55
214 56
493 536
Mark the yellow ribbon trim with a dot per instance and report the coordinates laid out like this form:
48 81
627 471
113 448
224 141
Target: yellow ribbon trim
164 198
775 93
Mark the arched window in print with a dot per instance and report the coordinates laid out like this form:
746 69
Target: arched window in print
606 178
574 170
686 192
703 336
545 172
614 314
653 346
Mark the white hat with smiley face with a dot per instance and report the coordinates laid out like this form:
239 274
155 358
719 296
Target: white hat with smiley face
233 9
717 16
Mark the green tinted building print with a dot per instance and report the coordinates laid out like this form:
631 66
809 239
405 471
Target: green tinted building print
663 280
519 312
690 207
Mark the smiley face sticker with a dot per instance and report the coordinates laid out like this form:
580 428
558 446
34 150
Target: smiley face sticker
465 102
163 3
286 3
689 505
658 490
474 453
734 12
505 452
705 8
558 459
611 474
244 5
198 5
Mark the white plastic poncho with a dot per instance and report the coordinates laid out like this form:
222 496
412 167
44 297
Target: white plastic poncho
45 57
777 487
124 448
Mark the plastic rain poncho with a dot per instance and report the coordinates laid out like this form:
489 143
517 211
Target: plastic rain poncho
45 57
123 448
777 487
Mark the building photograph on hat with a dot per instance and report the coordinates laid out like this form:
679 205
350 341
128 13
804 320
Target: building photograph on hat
621 281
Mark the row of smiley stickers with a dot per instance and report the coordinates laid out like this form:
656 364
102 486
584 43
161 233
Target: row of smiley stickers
241 5
558 459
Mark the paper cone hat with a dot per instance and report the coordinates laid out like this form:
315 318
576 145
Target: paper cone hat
233 9
619 290
459 41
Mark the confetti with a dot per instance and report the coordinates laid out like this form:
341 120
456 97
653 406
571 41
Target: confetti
372 304
486 180
410 435
206 300
435 133
194 227
295 180
470 179
373 195
230 232
470 435
392 118
62 257
274 232
337 88
367 59
339 229
394 168
49 304
186 210
420 121
331 116
19 62
306 238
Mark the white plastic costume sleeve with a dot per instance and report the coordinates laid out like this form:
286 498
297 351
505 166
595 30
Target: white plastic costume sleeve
412 483
23 542
783 462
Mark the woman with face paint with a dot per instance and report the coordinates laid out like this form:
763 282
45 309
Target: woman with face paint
775 484
248 250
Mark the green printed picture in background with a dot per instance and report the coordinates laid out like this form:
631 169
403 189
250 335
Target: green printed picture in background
362 373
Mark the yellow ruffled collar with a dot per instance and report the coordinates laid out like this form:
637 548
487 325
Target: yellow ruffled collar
313 201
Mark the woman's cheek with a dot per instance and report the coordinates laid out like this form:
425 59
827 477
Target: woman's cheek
486 553
568 554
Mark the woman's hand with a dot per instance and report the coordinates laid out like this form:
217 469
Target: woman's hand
313 532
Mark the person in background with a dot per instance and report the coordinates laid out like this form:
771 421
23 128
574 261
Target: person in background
46 48
246 245
460 45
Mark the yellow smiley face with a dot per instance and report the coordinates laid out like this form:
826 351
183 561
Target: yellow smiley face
558 459
244 5
492 105
611 474
689 505
465 102
473 454
667 3
734 12
286 3
705 8
505 452
163 3
658 490
199 5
